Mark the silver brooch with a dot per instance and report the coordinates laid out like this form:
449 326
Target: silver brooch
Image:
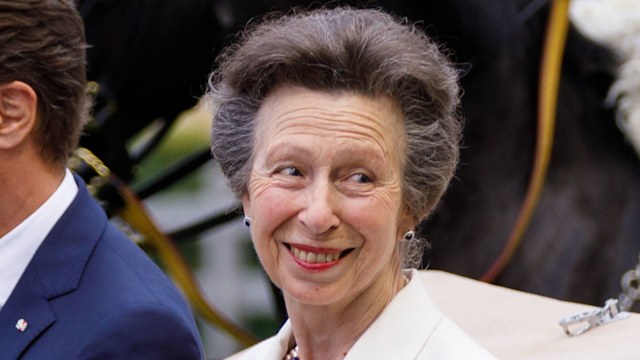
21 325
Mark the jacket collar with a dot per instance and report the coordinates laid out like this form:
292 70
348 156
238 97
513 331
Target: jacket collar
395 325
55 270
281 343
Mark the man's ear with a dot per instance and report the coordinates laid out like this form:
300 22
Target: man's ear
18 103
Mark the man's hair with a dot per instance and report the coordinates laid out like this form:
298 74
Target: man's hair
42 44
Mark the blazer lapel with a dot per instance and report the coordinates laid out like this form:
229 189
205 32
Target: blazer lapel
55 270
409 319
28 303
281 343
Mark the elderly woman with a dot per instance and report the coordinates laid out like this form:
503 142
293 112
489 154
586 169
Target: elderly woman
338 129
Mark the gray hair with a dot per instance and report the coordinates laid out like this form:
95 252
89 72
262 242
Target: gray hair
364 51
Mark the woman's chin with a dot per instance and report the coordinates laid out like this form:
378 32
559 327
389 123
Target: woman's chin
316 294
306 300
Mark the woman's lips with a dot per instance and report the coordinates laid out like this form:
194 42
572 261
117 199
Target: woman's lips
315 258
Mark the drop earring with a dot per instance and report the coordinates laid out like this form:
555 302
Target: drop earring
247 221
409 235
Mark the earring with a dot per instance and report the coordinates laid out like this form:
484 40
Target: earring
408 236
247 221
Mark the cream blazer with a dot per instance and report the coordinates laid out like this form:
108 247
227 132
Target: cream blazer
410 327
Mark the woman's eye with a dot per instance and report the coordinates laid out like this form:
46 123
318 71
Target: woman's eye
290 171
360 178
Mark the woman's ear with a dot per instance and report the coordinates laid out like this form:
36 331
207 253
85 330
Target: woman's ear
407 222
246 204
18 102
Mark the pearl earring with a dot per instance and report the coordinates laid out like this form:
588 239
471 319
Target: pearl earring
247 221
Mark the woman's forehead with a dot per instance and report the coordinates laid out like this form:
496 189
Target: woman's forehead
300 112
334 111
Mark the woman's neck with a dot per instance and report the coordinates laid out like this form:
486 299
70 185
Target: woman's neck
327 332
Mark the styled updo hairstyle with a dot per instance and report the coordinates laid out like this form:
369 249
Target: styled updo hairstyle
363 51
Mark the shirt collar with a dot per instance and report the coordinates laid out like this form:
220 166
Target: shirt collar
19 245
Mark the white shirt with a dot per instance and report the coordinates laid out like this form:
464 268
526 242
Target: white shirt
19 245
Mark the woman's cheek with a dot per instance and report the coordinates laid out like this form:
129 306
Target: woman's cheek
382 206
271 210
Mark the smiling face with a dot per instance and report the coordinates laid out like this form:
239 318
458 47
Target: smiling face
325 194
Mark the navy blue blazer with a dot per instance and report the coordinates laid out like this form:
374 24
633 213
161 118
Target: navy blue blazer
91 293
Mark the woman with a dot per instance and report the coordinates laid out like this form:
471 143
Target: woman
338 129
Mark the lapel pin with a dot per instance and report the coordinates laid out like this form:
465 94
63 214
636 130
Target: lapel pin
21 325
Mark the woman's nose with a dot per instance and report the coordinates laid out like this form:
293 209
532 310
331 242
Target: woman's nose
319 214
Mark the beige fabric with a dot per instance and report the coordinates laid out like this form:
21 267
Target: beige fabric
517 325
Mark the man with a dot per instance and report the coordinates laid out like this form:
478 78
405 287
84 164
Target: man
71 285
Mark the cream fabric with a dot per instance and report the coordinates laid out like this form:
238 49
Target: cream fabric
410 327
518 325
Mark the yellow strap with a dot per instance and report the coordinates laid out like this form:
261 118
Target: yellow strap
550 69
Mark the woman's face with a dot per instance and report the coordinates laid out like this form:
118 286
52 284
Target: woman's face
325 194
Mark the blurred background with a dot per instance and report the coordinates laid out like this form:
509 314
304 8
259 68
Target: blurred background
149 60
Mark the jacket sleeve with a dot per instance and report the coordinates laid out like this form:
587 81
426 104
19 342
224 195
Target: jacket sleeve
142 331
